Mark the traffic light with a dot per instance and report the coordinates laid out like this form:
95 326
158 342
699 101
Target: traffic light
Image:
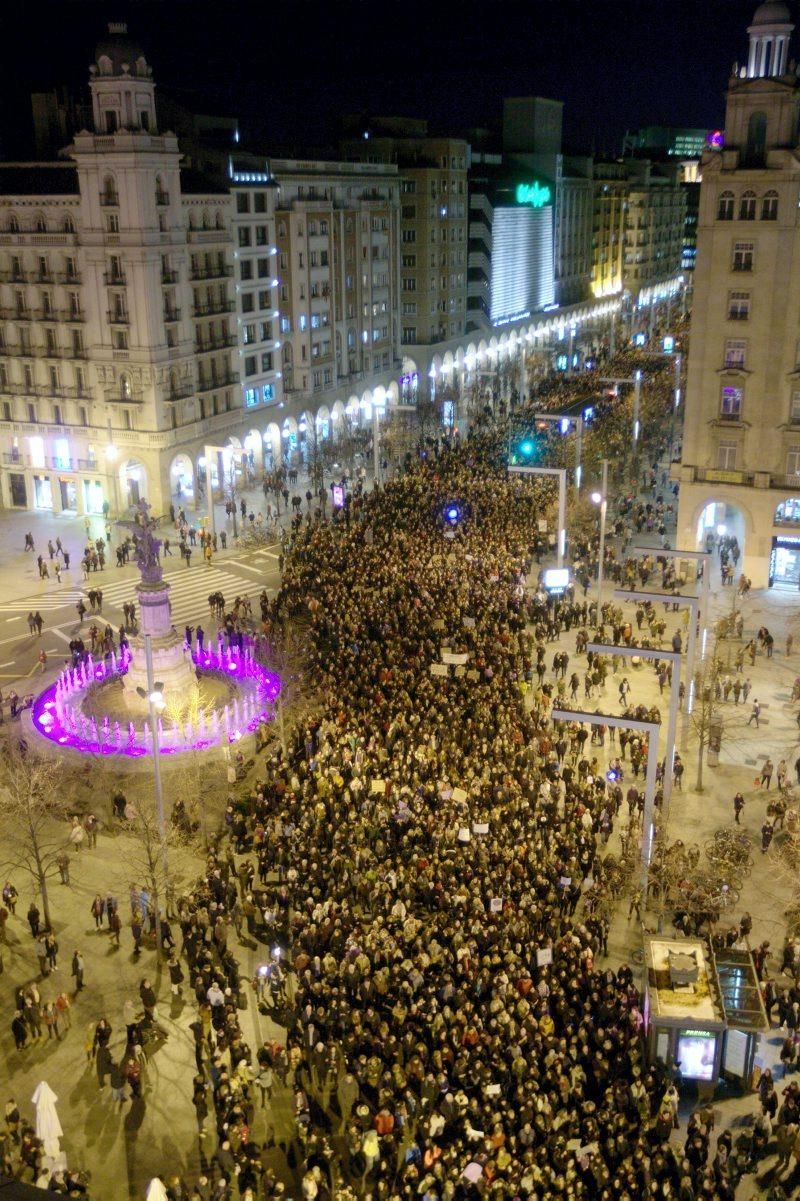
527 447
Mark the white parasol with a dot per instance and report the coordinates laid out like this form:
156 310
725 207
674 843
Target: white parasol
156 1191
48 1127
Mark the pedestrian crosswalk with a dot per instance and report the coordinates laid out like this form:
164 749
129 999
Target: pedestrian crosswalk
189 591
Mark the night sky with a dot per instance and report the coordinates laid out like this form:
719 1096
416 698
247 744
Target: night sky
289 70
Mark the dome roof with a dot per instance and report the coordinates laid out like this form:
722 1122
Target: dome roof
118 49
772 12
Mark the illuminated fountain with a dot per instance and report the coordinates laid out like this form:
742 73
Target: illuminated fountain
95 707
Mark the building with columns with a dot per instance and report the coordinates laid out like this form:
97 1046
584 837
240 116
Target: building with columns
119 343
740 473
151 316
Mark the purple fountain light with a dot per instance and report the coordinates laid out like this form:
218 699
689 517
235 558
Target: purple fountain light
59 720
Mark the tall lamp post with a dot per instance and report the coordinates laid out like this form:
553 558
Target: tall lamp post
601 499
560 418
650 728
673 657
208 450
157 704
561 472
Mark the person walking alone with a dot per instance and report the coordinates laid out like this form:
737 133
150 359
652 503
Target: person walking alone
738 806
77 970
754 713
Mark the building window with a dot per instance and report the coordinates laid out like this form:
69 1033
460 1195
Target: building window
244 235
409 236
738 306
246 269
248 334
268 393
747 206
730 406
735 352
726 456
250 367
242 202
743 256
769 206
266 362
793 462
794 411
250 397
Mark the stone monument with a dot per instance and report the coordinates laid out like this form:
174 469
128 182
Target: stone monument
172 664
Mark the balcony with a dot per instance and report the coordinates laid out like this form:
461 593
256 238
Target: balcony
62 464
213 385
114 279
162 198
71 315
217 344
17 460
206 235
169 277
220 271
171 315
212 308
13 277
785 481
118 318
722 475
109 200
64 277
132 398
181 393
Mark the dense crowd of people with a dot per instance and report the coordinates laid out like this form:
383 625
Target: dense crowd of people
422 854
422 867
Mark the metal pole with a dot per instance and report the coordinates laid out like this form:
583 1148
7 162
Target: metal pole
669 753
637 392
160 817
612 345
578 451
628 723
602 553
562 517
376 454
649 804
210 493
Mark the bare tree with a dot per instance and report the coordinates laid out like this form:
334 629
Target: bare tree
32 808
287 655
706 716
147 859
193 778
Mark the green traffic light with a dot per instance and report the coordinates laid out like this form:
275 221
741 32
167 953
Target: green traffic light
526 448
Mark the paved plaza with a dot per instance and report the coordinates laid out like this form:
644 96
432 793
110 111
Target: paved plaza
124 1144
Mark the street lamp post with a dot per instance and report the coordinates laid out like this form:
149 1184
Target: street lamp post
601 499
650 728
693 605
560 417
561 472
155 700
220 450
673 657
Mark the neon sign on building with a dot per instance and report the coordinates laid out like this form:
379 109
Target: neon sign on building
535 194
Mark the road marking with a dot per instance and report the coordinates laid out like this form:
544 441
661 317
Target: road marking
10 663
246 567
60 633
